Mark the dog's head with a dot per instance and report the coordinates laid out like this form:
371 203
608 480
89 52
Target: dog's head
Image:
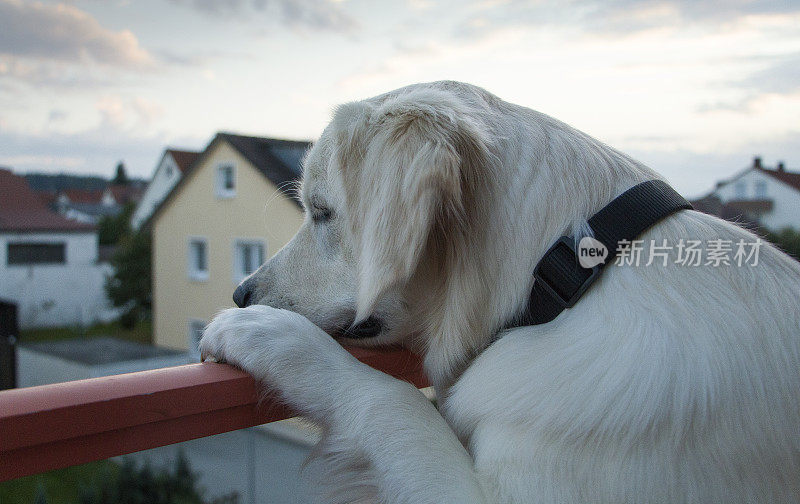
389 195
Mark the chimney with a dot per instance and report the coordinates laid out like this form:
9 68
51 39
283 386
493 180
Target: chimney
757 162
781 167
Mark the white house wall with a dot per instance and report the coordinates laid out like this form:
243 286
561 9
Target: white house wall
164 179
52 295
786 199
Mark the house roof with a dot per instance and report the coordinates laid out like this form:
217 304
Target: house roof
789 178
779 173
84 196
280 161
183 158
122 194
126 193
95 210
47 197
21 209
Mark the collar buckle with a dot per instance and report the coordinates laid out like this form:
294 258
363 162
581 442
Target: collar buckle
561 276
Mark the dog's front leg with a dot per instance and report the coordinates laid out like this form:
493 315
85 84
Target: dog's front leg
414 455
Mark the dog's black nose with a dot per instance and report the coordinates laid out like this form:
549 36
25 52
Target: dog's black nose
241 296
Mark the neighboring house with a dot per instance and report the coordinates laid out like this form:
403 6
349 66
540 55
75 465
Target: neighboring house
170 169
85 206
229 212
48 263
90 206
757 196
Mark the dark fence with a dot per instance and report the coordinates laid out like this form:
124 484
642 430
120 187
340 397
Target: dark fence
9 334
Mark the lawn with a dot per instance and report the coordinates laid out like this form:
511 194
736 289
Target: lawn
141 333
60 486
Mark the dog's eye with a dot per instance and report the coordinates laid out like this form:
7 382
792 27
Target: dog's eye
319 214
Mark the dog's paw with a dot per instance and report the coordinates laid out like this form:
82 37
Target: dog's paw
241 336
280 348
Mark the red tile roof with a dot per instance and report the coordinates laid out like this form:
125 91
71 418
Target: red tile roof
790 178
183 159
47 197
83 195
22 210
124 194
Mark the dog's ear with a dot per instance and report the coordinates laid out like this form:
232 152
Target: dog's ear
409 165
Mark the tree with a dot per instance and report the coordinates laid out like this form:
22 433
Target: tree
130 285
111 228
121 178
787 239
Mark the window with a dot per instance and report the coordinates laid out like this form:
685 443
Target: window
761 189
36 253
198 259
226 181
247 257
196 328
741 189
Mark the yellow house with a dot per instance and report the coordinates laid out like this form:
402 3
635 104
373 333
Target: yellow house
229 212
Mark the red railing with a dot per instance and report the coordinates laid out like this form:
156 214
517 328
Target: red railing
54 426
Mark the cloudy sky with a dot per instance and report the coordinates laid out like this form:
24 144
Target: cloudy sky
693 88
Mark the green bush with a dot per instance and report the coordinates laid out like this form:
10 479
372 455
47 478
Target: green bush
140 484
787 239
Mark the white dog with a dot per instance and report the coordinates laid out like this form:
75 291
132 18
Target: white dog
427 209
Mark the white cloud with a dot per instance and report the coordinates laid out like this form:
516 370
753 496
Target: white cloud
670 93
136 113
62 47
318 14
619 17
25 162
94 151
112 111
57 115
17 72
781 76
147 111
64 32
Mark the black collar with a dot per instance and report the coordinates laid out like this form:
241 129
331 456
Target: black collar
559 279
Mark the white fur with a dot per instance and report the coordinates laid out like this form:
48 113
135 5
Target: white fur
663 384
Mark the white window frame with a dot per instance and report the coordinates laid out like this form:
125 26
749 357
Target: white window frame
193 272
740 190
238 273
219 183
194 332
761 189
